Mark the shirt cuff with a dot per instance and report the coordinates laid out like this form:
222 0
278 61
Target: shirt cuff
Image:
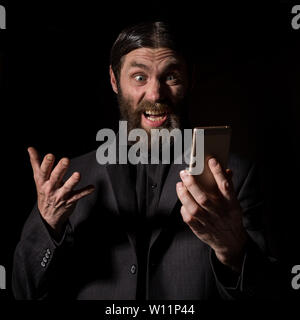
225 277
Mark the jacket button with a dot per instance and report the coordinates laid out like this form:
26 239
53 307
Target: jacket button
43 264
133 269
48 251
153 187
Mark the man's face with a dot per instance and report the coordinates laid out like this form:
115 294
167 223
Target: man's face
152 85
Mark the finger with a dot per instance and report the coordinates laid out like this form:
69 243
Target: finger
195 224
34 160
47 166
186 199
59 172
222 181
78 194
199 195
70 183
189 203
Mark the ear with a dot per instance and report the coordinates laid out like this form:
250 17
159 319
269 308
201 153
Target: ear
113 80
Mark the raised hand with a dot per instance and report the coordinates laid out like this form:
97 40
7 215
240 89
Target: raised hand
56 200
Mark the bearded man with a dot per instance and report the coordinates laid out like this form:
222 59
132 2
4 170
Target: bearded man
145 231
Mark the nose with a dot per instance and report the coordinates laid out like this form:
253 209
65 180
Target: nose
154 91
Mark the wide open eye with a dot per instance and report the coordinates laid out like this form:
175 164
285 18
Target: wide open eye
140 78
170 77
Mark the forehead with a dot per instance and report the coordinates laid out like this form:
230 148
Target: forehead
159 57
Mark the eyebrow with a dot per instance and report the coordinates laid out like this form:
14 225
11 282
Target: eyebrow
139 65
173 65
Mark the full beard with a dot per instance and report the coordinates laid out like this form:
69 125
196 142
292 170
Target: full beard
134 116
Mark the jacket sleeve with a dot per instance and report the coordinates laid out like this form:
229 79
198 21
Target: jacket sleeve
40 263
259 269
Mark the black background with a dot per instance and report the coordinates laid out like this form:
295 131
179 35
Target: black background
55 95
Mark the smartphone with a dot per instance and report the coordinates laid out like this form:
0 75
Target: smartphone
209 142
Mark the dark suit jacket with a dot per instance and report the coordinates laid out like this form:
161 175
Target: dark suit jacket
96 259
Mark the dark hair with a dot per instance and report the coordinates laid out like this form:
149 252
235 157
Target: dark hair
145 35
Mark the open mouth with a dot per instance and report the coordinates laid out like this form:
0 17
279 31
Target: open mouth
155 116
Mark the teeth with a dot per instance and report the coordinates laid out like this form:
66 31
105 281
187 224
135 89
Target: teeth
155 119
154 112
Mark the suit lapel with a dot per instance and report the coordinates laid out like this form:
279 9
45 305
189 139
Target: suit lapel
168 197
124 192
